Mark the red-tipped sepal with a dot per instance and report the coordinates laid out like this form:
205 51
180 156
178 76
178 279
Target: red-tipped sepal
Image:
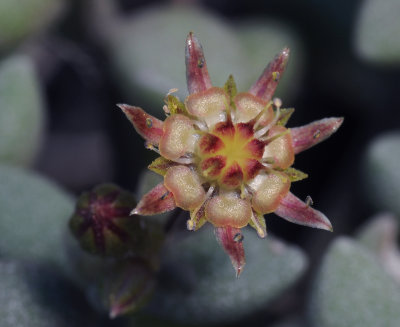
149 127
196 68
306 136
265 86
231 240
156 201
296 211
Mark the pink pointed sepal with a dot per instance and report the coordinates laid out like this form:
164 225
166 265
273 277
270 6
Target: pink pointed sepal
196 68
265 86
306 136
231 240
296 211
156 201
149 127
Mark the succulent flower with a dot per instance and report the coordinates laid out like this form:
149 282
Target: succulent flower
226 157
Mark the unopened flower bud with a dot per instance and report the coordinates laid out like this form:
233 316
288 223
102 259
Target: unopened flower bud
129 287
103 226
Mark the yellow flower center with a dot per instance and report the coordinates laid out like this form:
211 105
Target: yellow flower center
230 154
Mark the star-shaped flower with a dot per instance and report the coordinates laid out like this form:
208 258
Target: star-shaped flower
226 157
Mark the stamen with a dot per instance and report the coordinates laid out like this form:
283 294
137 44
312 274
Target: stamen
210 191
166 109
259 116
268 167
262 131
191 223
309 201
185 160
200 125
151 146
277 103
243 192
174 90
250 190
277 136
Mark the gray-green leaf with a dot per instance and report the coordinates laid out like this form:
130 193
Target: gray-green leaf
377 32
199 284
22 111
33 216
147 51
382 172
379 235
35 296
352 289
21 18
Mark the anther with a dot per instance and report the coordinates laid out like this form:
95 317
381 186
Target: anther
277 102
210 191
238 237
275 76
150 146
260 115
174 90
317 134
149 122
190 224
309 201
273 138
200 62
166 109
164 195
